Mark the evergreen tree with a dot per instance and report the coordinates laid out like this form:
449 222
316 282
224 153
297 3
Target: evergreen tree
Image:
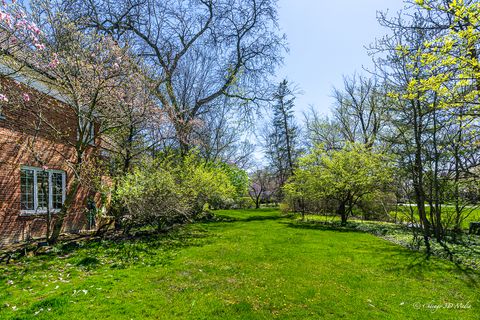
281 139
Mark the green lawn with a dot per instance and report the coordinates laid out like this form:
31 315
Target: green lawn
472 214
252 265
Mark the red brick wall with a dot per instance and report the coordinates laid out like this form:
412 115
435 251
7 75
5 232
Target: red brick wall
40 129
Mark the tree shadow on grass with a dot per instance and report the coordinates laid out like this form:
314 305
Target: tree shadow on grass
148 248
229 219
145 240
322 226
133 247
421 266
398 259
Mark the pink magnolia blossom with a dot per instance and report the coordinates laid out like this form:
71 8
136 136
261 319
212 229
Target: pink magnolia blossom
26 97
14 21
54 62
3 98
5 17
39 46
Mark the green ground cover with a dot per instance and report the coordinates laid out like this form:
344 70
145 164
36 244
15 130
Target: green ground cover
251 264
404 213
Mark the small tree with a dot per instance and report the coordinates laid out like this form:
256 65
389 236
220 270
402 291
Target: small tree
346 175
261 186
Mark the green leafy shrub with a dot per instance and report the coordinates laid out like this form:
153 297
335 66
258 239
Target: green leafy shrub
171 190
205 183
152 196
285 208
244 203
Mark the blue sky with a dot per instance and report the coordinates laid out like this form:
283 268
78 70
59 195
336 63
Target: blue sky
327 40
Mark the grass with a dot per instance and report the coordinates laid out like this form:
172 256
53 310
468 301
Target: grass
464 249
404 213
252 264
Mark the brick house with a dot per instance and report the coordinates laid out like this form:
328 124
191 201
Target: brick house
38 131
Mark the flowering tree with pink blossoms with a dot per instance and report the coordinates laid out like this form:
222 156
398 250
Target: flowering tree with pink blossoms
17 30
19 38
104 92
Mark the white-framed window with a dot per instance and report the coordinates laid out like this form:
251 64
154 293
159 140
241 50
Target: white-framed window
41 190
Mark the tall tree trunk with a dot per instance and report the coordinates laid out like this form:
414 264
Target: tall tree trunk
342 212
128 151
70 197
287 140
57 226
418 173
438 229
456 149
